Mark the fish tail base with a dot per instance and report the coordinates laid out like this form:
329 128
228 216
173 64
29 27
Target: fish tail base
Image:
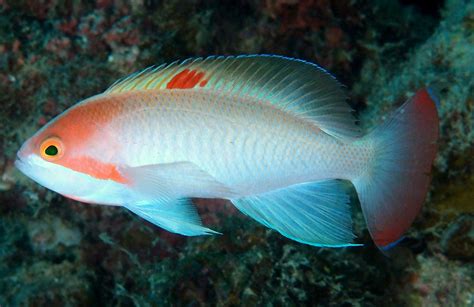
393 188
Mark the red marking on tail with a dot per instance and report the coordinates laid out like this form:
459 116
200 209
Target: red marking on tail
186 79
393 191
425 104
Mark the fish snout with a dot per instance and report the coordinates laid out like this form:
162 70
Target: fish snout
26 150
24 156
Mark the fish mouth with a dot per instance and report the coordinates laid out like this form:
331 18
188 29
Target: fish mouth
23 164
29 166
23 167
20 163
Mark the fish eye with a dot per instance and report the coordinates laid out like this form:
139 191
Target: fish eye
51 149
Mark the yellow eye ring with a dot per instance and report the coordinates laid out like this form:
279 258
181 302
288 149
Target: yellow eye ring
52 149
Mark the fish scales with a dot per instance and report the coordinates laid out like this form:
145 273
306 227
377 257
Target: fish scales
257 140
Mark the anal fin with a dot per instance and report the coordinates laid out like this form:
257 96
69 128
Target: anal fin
316 213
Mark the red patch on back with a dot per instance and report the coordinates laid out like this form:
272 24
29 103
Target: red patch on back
185 79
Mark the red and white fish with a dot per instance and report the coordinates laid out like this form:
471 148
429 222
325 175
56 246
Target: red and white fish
273 135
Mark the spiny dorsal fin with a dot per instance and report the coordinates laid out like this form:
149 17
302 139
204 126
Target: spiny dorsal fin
296 86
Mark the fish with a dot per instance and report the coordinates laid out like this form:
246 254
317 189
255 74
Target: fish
273 135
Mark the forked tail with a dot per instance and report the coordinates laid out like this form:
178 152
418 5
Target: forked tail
393 189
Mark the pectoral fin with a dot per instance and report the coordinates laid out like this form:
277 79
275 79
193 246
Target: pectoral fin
160 194
174 180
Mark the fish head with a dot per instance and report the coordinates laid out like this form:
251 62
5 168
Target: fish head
70 155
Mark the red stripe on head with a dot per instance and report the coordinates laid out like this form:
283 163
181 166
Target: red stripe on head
82 134
96 169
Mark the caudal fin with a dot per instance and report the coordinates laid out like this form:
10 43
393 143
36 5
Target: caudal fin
393 189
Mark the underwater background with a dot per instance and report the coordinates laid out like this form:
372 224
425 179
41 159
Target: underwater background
58 252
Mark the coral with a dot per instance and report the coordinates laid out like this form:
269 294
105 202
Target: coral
458 239
44 283
438 282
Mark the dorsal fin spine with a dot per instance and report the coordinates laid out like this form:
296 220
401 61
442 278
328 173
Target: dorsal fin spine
160 77
220 81
155 77
239 83
301 88
168 71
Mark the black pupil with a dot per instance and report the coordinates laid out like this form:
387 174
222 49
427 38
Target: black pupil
51 150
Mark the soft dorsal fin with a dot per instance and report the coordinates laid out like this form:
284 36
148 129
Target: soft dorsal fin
295 86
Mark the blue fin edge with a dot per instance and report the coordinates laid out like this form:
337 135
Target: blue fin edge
392 245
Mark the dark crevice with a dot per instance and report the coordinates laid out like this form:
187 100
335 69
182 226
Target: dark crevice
431 8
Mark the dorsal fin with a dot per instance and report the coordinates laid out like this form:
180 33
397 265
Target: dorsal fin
296 86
